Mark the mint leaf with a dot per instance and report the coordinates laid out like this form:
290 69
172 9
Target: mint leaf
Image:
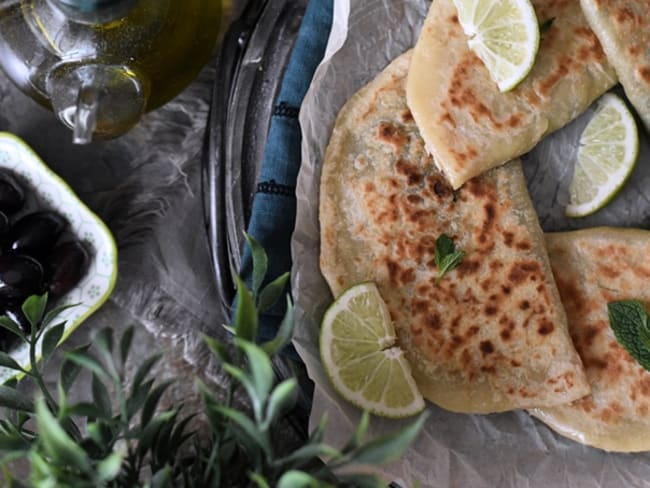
447 257
629 321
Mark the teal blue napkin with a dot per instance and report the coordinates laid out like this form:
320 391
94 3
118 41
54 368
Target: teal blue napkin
274 206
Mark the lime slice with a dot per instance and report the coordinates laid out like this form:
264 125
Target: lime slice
504 34
357 347
608 151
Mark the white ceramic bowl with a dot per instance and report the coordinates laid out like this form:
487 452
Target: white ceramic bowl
49 191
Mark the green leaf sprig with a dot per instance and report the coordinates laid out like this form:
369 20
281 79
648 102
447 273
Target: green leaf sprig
120 437
447 257
631 325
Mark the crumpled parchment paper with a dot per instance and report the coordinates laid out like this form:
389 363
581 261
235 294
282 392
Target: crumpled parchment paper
454 450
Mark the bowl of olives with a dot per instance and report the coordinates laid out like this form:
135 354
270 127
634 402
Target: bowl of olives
50 242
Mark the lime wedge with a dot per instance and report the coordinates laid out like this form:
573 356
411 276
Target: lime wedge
608 151
504 34
357 347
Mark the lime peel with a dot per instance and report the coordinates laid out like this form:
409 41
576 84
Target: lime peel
504 34
607 155
376 379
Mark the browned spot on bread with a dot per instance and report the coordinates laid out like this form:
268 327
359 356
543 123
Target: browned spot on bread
594 363
490 310
486 347
522 270
415 199
634 50
448 118
524 305
546 85
433 321
546 327
453 19
514 121
468 267
439 186
644 73
391 134
407 117
407 276
412 173
624 15
524 246
393 271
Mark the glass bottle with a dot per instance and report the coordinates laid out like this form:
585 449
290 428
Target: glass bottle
100 64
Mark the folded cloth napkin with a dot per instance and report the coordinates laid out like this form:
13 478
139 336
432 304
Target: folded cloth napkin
274 205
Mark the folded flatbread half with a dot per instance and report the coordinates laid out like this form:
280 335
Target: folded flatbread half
623 29
491 335
593 267
466 123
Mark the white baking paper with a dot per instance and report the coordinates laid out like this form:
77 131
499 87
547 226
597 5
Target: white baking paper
454 450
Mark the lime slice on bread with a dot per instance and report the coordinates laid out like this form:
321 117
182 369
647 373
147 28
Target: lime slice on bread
504 34
357 346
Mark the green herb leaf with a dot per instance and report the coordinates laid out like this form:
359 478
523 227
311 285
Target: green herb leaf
362 481
150 432
546 25
218 348
447 257
70 369
101 398
109 467
260 262
7 361
248 428
56 443
629 321
299 479
162 478
12 327
138 398
284 334
34 308
360 434
245 317
259 480
260 368
152 401
391 446
52 314
12 442
125 343
307 453
144 369
283 398
51 339
15 400
272 292
87 361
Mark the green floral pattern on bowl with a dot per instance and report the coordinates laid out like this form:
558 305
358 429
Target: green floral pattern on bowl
98 283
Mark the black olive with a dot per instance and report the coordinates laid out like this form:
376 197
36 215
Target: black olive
20 277
4 224
35 234
66 265
12 195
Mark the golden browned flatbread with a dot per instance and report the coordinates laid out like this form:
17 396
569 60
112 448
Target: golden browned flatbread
491 335
592 268
466 123
623 29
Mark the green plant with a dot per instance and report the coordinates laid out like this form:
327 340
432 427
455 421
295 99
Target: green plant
120 438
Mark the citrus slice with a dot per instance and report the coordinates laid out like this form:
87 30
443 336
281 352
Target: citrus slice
357 347
608 151
504 34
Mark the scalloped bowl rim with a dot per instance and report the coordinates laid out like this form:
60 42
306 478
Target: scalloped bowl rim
73 316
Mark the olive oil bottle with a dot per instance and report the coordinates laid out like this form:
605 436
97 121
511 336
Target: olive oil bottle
100 64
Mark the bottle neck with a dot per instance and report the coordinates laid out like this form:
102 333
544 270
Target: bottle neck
94 11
